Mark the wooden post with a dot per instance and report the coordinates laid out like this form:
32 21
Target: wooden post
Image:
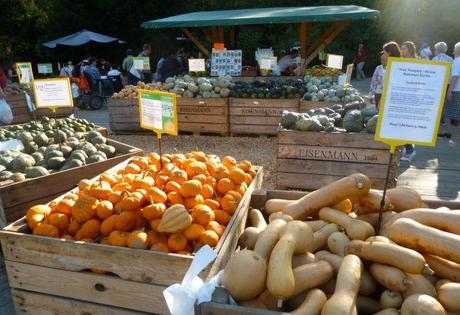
232 41
196 41
220 30
304 37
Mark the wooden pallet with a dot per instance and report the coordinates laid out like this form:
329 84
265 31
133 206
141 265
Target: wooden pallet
207 115
16 198
53 276
305 106
310 160
258 116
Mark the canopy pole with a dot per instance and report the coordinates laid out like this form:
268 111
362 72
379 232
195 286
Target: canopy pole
325 39
196 41
304 38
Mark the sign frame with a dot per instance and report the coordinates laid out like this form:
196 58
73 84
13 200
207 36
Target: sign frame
329 56
159 132
145 60
37 100
38 68
397 142
18 71
200 60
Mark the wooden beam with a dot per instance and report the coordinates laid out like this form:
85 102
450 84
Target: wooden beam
304 38
232 41
324 40
208 34
196 41
220 30
215 34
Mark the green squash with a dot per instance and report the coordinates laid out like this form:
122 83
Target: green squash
371 125
98 140
36 171
71 164
41 139
353 121
53 153
56 162
23 161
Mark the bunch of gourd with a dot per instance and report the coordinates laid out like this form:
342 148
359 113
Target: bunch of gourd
275 89
44 155
323 89
321 254
188 86
48 126
352 117
321 71
130 91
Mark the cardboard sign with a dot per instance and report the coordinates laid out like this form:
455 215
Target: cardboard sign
334 61
158 112
25 73
51 93
196 65
412 101
219 46
141 63
268 63
45 68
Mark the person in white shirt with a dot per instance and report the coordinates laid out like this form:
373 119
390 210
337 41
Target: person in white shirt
440 50
452 110
66 71
425 52
287 63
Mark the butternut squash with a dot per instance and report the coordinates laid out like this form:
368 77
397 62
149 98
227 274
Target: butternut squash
320 237
343 301
276 205
440 283
367 305
280 216
249 237
419 285
256 219
329 287
370 203
373 218
345 206
388 311
391 299
267 299
267 238
449 296
394 255
390 277
295 238
412 234
381 239
444 268
244 275
316 224
356 229
404 199
420 304
302 259
311 276
313 303
351 186
336 243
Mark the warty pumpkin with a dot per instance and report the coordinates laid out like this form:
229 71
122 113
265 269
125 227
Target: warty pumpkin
85 208
59 220
202 214
118 238
104 209
45 229
125 221
175 219
191 202
190 188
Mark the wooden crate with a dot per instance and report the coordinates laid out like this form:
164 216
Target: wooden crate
16 198
305 106
203 115
53 276
124 116
310 160
258 116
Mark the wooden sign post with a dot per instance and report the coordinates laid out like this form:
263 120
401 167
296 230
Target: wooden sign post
411 105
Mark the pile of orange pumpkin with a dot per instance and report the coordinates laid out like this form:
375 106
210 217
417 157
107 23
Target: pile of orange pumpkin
174 205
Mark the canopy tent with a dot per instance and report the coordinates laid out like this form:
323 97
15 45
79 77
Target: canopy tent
341 16
82 38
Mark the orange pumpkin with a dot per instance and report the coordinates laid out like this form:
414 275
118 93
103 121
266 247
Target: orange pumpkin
252 172
229 203
211 166
142 162
247 178
154 224
34 220
108 225
139 221
85 208
84 183
241 189
73 226
216 227
104 209
157 195
153 211
195 168
236 195
175 198
236 175
100 190
45 229
245 165
132 168
172 186
65 206
125 221
207 192
221 172
122 187
130 201
104 241
161 181
138 239
194 231
179 176
229 162
222 217
209 238
224 185
70 196
211 203
177 242
190 188
38 209
118 238
143 183
109 178
154 237
59 220
202 214
160 247
89 229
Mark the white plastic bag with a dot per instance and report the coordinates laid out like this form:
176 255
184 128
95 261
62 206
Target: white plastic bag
6 115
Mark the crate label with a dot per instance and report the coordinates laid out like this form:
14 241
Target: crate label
194 109
263 111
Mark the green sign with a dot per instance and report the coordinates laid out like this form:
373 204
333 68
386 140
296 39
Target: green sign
25 73
157 111
45 68
141 63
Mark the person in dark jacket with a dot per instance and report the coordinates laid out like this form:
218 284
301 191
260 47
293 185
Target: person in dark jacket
170 67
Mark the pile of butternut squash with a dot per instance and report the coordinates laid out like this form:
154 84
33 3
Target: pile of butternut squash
320 254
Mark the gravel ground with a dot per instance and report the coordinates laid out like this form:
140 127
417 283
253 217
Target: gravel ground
258 150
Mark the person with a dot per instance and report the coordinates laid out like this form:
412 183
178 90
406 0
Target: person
114 71
425 52
452 111
361 57
157 74
408 50
66 71
182 56
103 66
92 71
170 67
287 63
126 67
390 49
146 51
3 82
440 50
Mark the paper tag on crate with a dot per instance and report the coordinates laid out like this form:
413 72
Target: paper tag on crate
181 298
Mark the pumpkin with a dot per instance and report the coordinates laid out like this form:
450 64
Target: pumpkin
104 209
224 185
34 220
190 188
210 238
229 162
83 184
172 186
194 231
43 210
44 229
59 220
154 224
196 168
211 203
131 168
177 242
138 239
191 202
143 183
202 214
237 175
122 187
216 227
153 211
65 206
125 221
100 190
85 208
131 201
247 178
161 181
118 238
89 229
207 192
175 198
108 225
221 172
211 167
222 216
229 203
157 195
142 162
161 247
241 189
175 219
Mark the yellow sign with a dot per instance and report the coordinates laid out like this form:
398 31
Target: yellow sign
53 93
412 102
158 112
25 73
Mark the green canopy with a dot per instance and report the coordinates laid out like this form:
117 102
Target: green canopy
264 16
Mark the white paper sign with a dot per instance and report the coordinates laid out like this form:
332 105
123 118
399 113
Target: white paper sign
53 93
268 63
196 65
334 61
412 101
45 68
